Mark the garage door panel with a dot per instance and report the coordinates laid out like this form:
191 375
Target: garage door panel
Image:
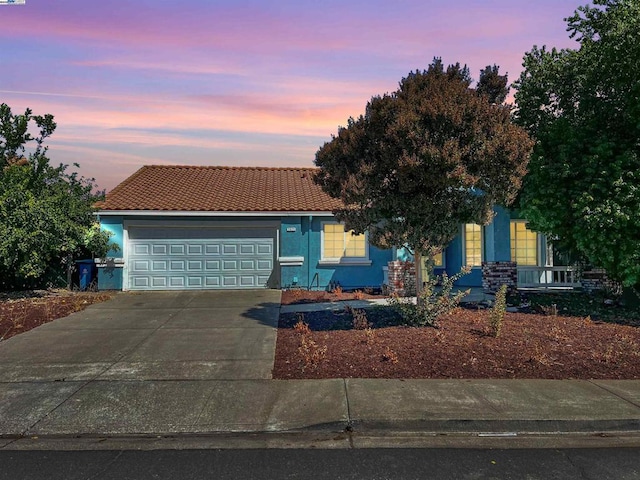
212 249
212 265
141 265
159 265
177 249
229 281
263 265
177 266
229 249
248 281
159 281
159 249
163 261
195 265
265 249
141 250
247 265
141 282
229 265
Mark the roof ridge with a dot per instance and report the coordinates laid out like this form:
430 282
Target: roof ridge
226 167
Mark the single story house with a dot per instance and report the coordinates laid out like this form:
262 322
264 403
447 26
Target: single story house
209 227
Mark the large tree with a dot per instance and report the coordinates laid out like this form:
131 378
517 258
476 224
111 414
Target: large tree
424 159
583 107
46 213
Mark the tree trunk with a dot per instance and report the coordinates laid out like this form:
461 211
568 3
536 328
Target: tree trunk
69 272
419 281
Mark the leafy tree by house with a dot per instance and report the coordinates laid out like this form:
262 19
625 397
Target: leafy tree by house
583 107
46 214
424 159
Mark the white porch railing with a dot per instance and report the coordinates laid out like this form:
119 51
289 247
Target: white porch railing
547 277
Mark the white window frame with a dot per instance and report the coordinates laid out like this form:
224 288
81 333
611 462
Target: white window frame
464 245
353 261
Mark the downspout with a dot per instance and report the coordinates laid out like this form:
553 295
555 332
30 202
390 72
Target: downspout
309 253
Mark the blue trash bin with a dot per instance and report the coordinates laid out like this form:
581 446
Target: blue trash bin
85 273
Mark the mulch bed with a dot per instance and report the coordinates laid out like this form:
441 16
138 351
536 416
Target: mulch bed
300 296
22 311
529 346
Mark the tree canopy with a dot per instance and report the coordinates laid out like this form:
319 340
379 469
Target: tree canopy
583 107
424 159
46 213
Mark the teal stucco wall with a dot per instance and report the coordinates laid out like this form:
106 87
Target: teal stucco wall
302 237
110 272
496 248
114 225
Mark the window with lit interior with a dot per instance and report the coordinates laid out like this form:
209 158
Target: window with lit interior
524 244
473 245
340 246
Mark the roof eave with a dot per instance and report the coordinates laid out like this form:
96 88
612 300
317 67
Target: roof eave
190 213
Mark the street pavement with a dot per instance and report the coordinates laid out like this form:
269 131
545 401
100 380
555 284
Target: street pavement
193 369
343 464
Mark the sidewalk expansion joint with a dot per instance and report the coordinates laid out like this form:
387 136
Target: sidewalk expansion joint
617 395
348 429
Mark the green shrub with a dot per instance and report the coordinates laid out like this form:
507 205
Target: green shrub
432 302
497 312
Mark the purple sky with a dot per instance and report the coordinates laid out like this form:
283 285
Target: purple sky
234 82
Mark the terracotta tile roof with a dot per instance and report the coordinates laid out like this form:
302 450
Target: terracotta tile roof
219 189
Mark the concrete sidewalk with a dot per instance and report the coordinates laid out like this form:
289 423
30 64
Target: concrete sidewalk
115 394
475 295
112 408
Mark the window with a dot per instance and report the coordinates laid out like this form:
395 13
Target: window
524 244
339 246
438 262
473 245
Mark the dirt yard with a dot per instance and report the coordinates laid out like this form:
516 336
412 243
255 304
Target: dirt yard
22 311
530 345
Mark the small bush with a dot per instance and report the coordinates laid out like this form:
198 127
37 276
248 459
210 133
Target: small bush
358 295
301 326
432 302
498 310
359 318
311 353
361 322
389 355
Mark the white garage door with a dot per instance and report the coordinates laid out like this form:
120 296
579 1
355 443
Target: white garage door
199 258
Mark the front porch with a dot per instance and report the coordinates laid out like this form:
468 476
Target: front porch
547 277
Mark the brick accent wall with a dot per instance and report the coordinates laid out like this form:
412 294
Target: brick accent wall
495 274
597 279
402 278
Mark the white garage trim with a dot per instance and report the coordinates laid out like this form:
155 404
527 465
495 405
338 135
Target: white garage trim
199 255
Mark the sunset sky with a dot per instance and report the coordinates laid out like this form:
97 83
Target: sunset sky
235 82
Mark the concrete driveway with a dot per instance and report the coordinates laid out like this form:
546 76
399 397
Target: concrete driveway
152 336
143 363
